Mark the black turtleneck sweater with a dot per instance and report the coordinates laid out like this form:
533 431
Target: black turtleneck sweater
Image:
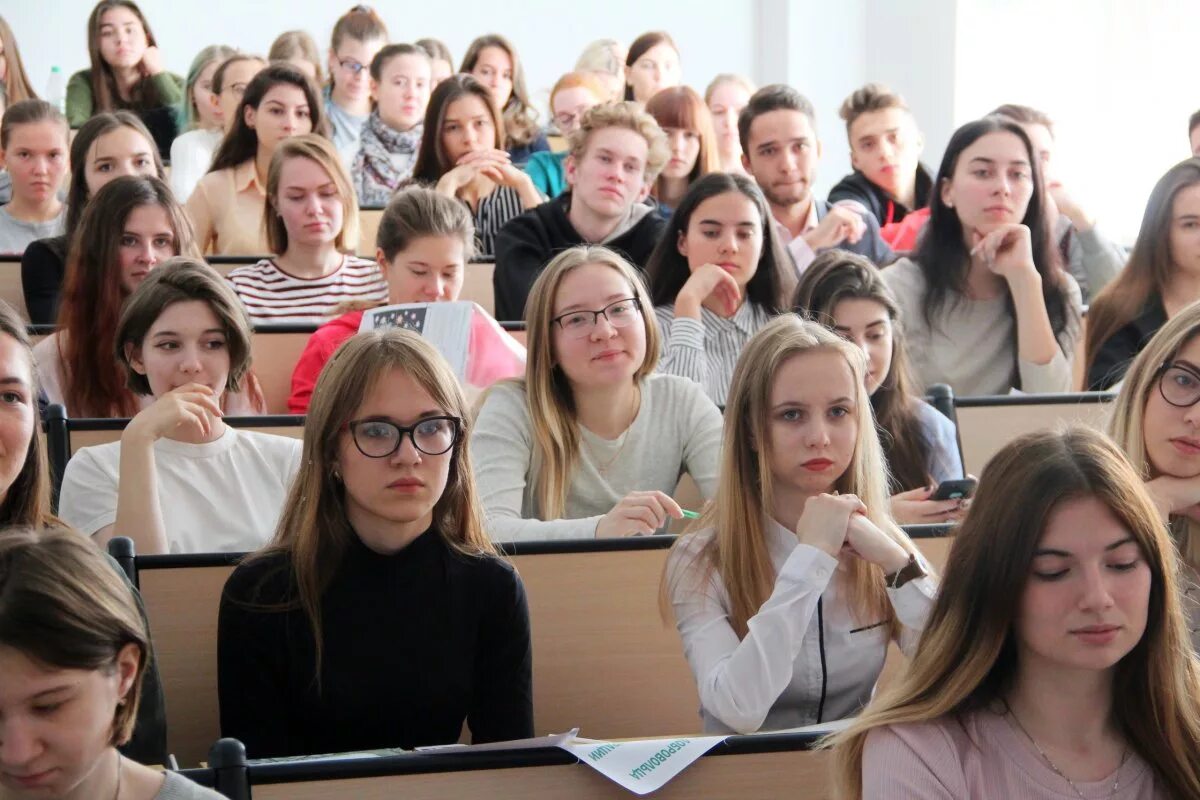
413 644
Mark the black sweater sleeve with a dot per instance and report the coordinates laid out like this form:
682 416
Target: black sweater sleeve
1113 358
502 702
42 271
522 250
251 661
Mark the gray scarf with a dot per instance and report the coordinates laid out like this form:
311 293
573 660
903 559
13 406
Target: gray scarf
375 172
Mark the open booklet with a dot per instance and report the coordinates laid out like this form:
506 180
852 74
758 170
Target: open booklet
478 350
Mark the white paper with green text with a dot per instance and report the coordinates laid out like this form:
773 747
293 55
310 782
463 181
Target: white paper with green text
643 765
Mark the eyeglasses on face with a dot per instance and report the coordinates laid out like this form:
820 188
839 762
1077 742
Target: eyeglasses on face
1179 384
379 438
619 313
351 66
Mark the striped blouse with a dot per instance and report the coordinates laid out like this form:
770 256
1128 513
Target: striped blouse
707 350
493 213
272 296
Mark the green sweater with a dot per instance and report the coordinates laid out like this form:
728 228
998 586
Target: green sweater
81 105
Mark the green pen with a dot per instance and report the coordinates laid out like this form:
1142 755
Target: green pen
690 514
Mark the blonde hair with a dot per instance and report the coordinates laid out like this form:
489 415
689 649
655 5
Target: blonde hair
967 659
1129 411
314 531
319 149
745 492
630 116
727 77
293 45
547 392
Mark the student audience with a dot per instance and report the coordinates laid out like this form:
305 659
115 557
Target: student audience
33 149
401 78
786 607
845 292
604 60
726 96
1091 259
227 205
311 219
1055 662
986 305
381 614
131 225
613 158
778 134
126 72
493 61
13 79
885 150
203 125
300 50
682 115
357 36
178 469
441 62
717 277
109 145
1154 421
462 155
651 65
591 443
572 95
1161 279
423 245
76 657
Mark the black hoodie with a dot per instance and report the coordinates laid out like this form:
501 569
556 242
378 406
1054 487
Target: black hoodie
528 242
887 209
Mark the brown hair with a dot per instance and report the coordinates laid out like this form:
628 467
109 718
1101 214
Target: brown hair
361 24
578 80
213 53
178 280
320 150
872 97
92 296
297 44
415 212
630 116
520 117
314 532
437 49
1193 122
16 83
236 58
1024 115
639 47
1150 266
967 658
103 123
680 107
105 95
432 163
27 500
64 605
391 51
28 112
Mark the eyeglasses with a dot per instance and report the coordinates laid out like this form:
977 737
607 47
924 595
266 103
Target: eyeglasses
351 66
620 314
1179 385
379 438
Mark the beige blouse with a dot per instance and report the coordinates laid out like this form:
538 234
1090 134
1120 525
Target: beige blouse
226 210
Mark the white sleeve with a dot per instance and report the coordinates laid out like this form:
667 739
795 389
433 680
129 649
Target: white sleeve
88 500
739 681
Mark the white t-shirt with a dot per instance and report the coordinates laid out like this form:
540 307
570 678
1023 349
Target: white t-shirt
191 156
222 496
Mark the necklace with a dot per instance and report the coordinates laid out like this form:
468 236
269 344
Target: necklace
603 468
1116 778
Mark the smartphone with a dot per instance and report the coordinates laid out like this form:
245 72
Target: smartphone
954 490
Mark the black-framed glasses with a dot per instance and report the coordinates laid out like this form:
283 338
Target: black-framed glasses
351 66
379 438
619 313
1179 384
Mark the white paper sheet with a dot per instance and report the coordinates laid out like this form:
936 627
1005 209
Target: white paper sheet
643 765
447 326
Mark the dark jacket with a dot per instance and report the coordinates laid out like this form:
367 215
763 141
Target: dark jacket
870 245
886 208
1115 355
43 266
528 242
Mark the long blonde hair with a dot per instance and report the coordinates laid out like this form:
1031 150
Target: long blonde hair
314 530
739 552
967 658
1129 411
547 392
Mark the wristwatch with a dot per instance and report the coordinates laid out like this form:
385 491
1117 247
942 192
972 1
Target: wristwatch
909 572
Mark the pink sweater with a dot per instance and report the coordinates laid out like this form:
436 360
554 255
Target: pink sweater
981 756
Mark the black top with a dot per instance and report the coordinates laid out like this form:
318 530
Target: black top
886 208
43 266
1116 354
528 242
413 644
522 154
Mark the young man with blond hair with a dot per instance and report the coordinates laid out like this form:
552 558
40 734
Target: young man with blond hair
615 156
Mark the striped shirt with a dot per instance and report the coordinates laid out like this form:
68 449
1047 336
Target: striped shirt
271 295
707 350
493 213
